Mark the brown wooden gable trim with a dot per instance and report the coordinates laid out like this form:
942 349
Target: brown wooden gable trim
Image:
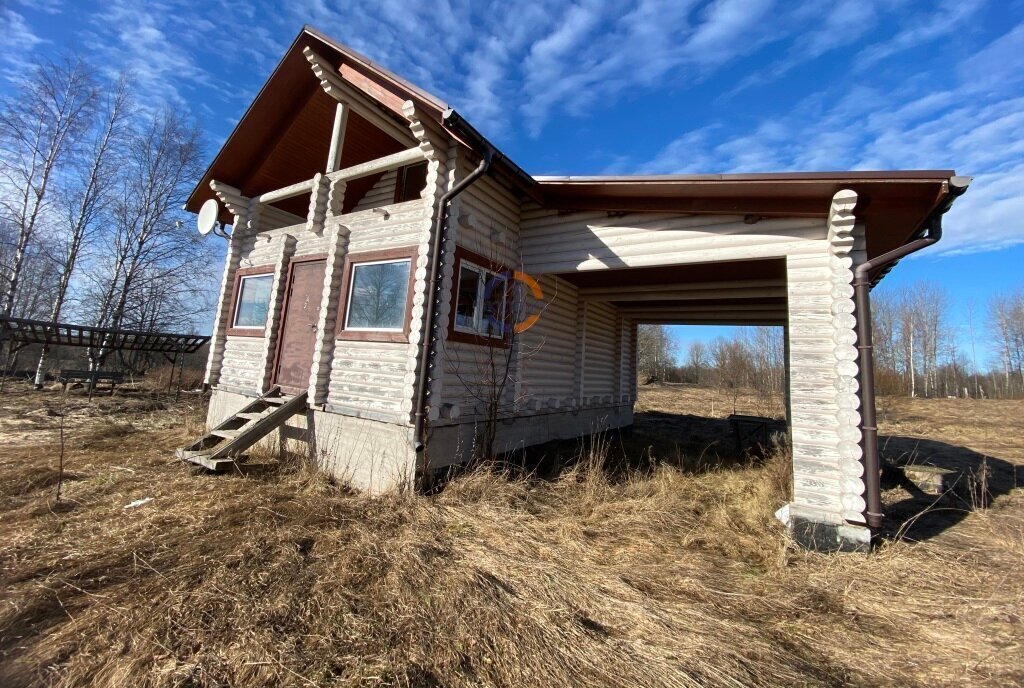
351 259
462 253
233 331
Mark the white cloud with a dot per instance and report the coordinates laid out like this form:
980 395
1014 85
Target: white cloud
19 41
920 28
975 128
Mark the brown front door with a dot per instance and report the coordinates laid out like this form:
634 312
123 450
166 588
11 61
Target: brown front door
298 328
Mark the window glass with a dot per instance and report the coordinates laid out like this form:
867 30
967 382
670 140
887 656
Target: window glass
411 181
377 295
493 316
253 301
467 299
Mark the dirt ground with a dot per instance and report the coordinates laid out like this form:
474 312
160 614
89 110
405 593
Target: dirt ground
672 572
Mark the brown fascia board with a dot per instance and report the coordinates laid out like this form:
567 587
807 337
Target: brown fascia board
805 193
876 175
414 92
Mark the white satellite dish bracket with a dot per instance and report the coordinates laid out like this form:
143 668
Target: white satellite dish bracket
207 221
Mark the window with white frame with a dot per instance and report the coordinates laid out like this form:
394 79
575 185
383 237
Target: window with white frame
377 295
480 301
253 302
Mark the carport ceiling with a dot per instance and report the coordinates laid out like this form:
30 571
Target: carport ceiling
725 293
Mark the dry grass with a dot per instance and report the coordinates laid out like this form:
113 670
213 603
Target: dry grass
282 579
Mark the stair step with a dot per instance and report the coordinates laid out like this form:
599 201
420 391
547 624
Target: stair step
204 460
242 430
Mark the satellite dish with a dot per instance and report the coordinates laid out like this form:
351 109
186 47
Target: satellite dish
207 219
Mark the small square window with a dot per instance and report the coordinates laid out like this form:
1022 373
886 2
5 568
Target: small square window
253 301
410 183
377 295
480 301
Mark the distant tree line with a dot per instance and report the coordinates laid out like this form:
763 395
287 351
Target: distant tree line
920 351
93 176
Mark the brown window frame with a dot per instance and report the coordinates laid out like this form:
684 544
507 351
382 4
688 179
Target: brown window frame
400 181
351 260
454 335
233 331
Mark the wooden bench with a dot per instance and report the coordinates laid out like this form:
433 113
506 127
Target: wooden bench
93 378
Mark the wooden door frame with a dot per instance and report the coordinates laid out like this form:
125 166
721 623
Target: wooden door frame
292 262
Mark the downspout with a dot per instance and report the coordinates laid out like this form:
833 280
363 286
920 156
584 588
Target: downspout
865 358
488 153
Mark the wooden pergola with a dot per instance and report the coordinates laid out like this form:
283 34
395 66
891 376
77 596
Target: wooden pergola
18 333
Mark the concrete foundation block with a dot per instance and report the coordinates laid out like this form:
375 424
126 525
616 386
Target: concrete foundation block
823 533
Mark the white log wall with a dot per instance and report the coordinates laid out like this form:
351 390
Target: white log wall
547 348
382 193
485 220
596 241
365 379
601 362
240 365
828 483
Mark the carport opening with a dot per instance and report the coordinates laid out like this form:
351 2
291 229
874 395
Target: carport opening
709 395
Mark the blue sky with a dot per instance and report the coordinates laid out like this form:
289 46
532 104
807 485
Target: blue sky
645 86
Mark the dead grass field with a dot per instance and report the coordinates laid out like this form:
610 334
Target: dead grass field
675 575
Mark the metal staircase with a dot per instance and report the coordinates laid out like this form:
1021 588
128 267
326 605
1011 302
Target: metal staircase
218 449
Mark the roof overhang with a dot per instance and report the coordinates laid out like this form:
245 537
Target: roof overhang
292 82
892 205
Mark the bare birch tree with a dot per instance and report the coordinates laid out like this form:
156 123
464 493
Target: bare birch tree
39 129
1006 313
87 198
146 244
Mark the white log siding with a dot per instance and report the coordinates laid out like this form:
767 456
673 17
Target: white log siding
485 220
223 315
370 230
595 241
828 481
368 380
547 348
626 388
601 364
240 367
381 194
